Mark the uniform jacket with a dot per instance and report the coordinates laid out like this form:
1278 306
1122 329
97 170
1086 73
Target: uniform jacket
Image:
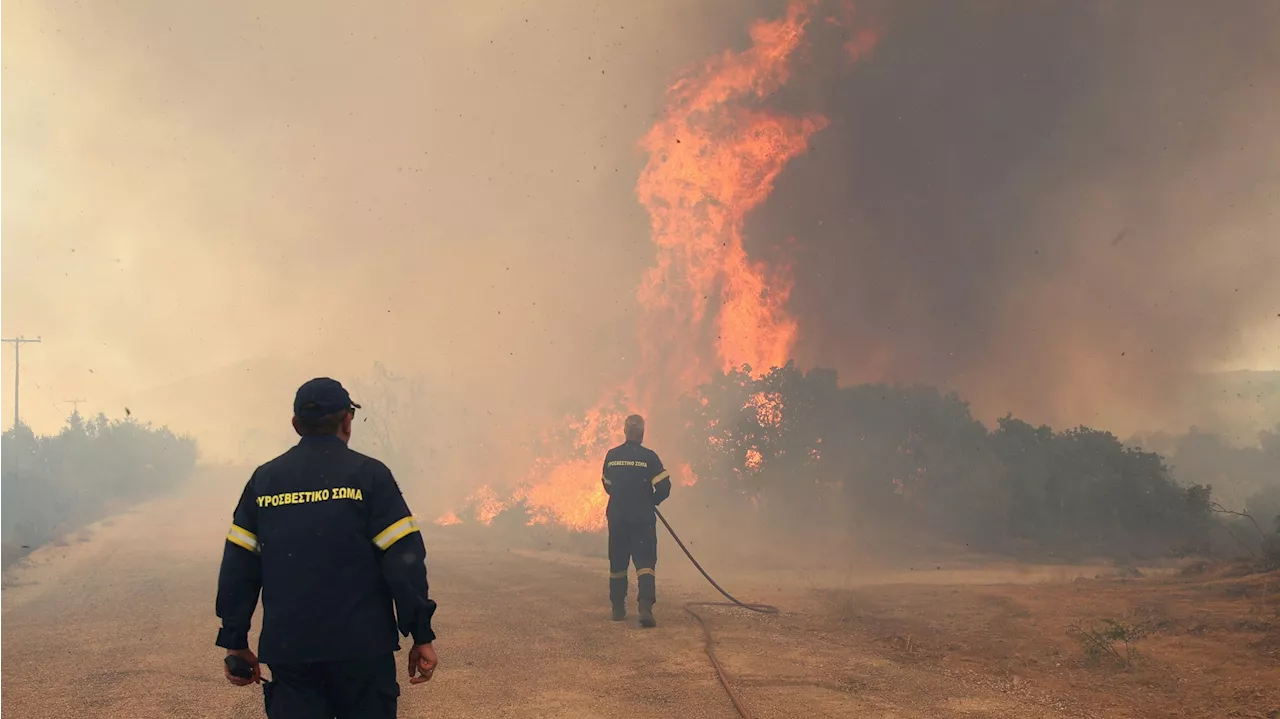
324 534
635 481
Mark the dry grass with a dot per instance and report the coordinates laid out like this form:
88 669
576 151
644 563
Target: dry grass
1202 644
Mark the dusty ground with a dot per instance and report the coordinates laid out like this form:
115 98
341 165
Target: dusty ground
1202 646
121 625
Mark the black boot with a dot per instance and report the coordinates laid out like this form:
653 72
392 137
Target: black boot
646 615
618 595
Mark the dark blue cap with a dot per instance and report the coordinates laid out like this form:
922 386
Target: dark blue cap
321 397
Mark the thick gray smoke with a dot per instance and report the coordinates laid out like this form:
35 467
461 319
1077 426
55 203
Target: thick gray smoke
1065 210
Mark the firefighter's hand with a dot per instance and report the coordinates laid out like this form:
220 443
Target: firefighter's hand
422 663
252 659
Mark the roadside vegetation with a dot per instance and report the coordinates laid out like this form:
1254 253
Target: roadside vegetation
55 485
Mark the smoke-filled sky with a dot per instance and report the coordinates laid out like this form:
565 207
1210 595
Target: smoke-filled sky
1060 209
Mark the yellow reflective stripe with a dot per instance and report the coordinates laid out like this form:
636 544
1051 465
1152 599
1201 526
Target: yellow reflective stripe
642 572
618 575
661 476
395 533
242 537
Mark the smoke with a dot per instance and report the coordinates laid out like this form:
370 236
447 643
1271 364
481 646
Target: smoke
1063 210
1060 211
208 204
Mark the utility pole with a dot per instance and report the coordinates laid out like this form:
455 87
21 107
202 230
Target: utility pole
17 343
75 404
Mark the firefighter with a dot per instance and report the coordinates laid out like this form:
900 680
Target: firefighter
636 483
324 533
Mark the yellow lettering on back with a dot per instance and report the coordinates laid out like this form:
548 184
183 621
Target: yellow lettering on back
321 495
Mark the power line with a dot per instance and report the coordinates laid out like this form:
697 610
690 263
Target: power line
17 343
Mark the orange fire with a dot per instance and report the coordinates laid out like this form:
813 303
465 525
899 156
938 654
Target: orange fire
449 519
713 157
564 496
768 406
567 491
487 504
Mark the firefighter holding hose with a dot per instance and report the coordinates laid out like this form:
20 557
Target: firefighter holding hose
636 483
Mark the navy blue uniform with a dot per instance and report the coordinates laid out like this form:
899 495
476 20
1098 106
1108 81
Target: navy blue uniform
324 533
636 482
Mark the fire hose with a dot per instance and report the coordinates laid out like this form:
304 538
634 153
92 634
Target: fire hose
708 640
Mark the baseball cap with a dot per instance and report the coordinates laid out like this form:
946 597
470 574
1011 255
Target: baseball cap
321 397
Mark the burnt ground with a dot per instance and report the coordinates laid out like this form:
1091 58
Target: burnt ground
119 622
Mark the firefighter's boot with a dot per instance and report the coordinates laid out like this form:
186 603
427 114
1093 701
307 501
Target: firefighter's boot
646 615
618 594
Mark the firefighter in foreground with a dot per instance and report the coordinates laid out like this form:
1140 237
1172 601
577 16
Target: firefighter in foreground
636 483
324 533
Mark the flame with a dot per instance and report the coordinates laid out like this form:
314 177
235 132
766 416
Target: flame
567 490
487 504
768 406
712 159
714 155
564 498
449 519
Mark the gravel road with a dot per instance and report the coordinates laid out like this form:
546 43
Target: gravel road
121 624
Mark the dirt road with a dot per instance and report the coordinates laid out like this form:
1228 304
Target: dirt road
121 625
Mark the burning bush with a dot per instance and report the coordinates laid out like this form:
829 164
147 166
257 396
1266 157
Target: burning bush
793 451
914 457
